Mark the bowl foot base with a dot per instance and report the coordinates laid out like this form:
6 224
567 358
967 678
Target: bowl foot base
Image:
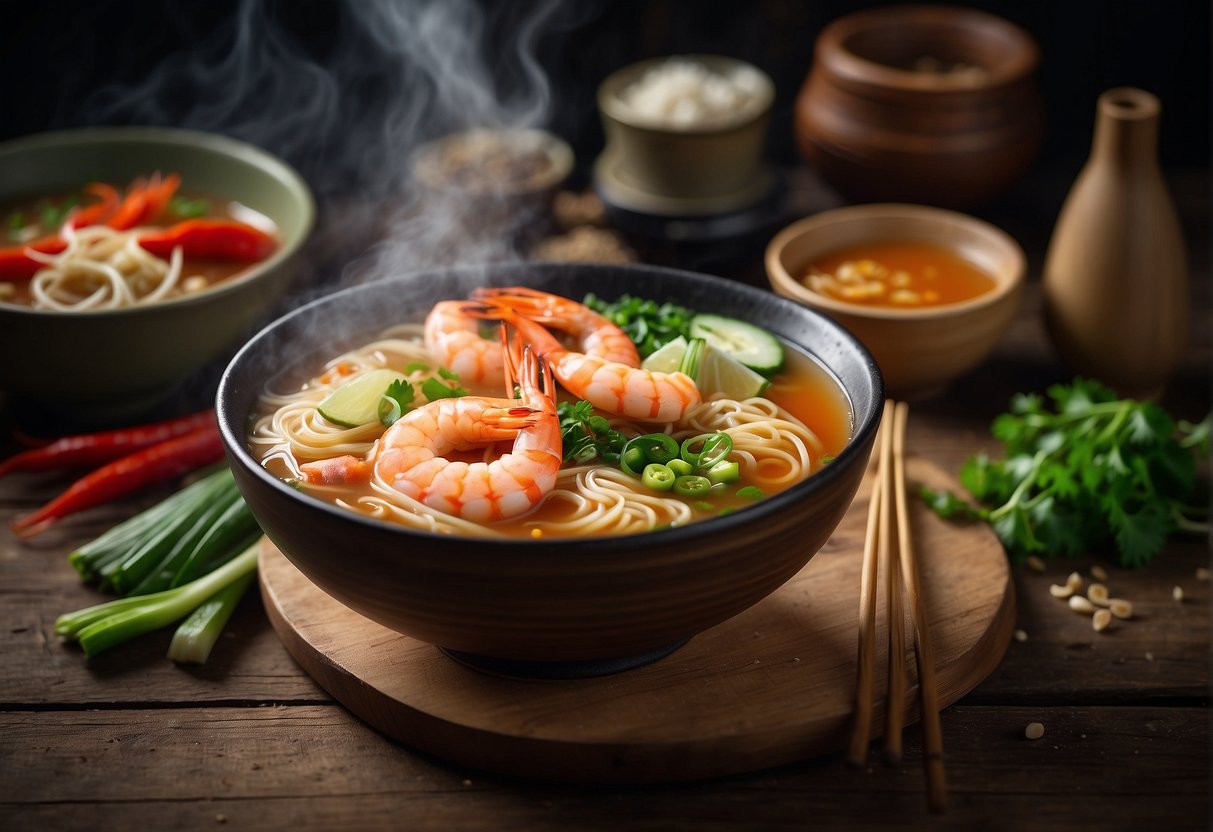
522 669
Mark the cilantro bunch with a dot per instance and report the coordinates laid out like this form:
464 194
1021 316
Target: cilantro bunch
586 435
1083 468
649 324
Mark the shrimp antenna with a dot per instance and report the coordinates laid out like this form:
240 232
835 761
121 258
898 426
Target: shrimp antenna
509 365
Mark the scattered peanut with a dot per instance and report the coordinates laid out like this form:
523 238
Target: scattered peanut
1021 635
1080 604
1178 593
1098 594
1034 731
1075 581
1149 656
1202 573
1101 619
1060 591
1035 564
1120 608
1099 573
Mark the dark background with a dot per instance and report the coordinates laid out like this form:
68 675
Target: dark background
58 55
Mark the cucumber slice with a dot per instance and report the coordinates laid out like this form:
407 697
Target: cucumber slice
751 345
356 403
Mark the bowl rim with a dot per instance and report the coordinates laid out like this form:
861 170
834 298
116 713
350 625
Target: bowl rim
831 48
610 106
222 145
862 429
1006 283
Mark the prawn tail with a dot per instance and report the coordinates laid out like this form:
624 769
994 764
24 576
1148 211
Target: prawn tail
340 470
529 303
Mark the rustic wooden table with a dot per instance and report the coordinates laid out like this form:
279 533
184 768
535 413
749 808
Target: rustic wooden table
129 741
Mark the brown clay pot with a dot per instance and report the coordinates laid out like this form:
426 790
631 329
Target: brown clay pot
934 104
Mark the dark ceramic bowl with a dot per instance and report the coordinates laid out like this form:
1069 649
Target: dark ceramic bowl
113 364
565 601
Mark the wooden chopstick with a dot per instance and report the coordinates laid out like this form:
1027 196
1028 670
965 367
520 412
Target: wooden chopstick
928 694
861 730
889 546
891 512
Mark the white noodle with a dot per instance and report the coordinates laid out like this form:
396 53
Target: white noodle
102 268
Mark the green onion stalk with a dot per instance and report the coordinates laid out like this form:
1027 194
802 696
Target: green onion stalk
105 625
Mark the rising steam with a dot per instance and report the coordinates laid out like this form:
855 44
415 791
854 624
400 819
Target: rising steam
350 112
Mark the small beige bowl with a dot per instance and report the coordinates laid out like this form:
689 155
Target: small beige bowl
920 351
499 182
692 169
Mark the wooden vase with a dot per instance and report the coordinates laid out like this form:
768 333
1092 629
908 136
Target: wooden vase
1115 275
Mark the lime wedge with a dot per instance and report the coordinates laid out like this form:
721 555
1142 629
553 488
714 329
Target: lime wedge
666 359
720 373
356 402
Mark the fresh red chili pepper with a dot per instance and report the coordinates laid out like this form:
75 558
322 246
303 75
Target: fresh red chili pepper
211 239
160 462
96 448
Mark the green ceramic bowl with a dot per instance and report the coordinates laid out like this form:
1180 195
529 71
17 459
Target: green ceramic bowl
112 365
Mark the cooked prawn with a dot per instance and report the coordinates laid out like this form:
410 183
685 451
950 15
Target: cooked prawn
595 335
454 341
611 386
410 455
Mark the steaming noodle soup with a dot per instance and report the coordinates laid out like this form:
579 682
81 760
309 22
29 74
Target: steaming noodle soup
777 439
99 248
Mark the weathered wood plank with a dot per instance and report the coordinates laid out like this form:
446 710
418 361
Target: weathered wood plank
37 585
313 767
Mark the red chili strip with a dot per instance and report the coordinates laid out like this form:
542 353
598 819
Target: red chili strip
211 239
16 265
98 211
144 201
163 461
90 449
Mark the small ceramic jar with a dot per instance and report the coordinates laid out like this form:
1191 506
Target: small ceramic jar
684 167
933 104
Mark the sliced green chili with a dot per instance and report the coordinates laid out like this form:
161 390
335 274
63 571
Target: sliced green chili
692 485
658 477
632 459
651 447
724 471
712 448
681 467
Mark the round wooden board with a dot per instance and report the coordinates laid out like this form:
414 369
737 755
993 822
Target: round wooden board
773 685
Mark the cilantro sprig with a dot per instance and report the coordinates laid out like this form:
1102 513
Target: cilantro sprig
1083 468
650 325
586 435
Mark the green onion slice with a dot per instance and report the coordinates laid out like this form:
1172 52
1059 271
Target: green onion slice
651 447
692 485
712 448
724 471
658 477
681 467
632 459
751 492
